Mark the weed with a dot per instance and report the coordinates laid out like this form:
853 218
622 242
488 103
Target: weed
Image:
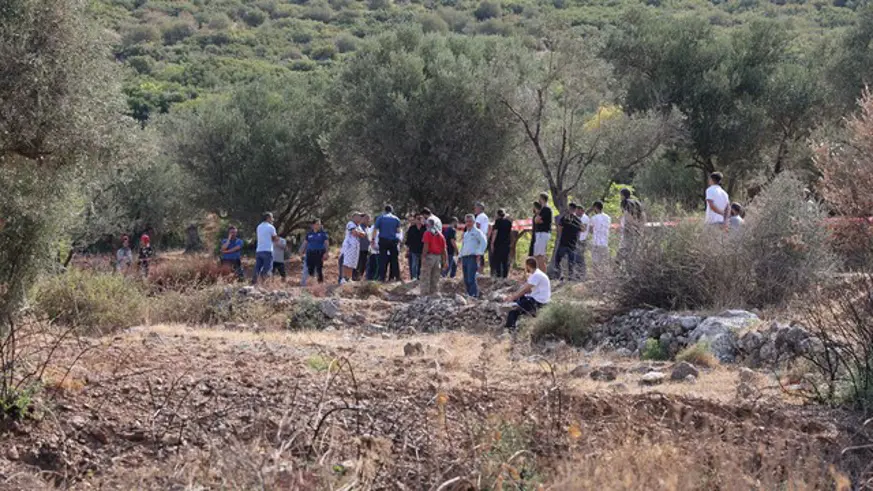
95 301
318 363
563 320
654 350
17 404
699 355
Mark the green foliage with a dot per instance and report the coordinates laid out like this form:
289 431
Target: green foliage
260 150
16 403
487 10
95 302
562 320
417 115
318 363
654 351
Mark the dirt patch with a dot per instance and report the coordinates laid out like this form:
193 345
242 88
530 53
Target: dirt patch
165 406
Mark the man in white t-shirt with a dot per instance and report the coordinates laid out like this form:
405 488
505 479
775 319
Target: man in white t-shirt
264 252
598 229
582 245
484 225
718 203
535 293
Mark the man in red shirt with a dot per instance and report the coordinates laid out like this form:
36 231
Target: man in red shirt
433 256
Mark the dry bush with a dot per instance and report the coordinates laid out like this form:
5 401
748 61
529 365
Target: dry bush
572 322
188 272
782 250
840 318
846 166
698 354
95 302
208 306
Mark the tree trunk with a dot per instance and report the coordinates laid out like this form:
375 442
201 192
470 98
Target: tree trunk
559 199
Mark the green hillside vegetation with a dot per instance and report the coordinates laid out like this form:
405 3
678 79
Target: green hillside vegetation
177 51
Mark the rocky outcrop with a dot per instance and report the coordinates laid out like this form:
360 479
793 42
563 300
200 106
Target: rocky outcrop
455 313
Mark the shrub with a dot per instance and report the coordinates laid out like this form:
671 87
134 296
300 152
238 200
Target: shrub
177 32
433 23
782 250
653 350
209 306
253 17
142 64
563 320
323 51
698 354
307 314
456 20
840 319
97 302
141 34
187 272
346 43
487 10
494 27
320 13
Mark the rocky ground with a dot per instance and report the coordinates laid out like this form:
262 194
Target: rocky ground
396 392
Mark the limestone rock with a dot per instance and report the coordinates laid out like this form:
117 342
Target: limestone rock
653 378
682 370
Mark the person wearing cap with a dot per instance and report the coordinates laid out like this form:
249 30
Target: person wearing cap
231 252
267 236
124 256
434 255
146 253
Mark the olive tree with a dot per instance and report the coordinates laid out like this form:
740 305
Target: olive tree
59 107
260 150
418 117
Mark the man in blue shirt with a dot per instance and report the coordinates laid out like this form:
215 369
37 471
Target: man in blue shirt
316 246
387 227
231 252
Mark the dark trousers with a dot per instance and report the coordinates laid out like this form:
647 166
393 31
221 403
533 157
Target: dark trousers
389 256
372 267
470 266
279 268
572 259
500 263
525 305
315 264
361 270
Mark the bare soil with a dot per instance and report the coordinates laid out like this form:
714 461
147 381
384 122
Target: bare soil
174 407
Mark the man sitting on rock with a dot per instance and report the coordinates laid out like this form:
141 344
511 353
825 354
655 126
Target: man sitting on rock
532 296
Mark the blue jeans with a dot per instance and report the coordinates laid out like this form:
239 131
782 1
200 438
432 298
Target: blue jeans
263 266
470 266
414 265
572 259
452 270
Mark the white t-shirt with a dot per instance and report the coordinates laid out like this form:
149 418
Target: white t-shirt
600 224
542 288
266 231
585 219
720 199
482 223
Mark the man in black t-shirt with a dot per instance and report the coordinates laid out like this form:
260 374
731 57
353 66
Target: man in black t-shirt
451 235
542 230
569 228
501 244
414 246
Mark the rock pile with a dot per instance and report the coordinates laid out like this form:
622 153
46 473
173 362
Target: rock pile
731 336
455 313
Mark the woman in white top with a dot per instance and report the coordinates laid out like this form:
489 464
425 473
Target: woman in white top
351 248
532 296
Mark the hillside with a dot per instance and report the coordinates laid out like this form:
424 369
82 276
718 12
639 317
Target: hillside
177 51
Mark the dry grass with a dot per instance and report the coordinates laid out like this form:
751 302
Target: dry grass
698 355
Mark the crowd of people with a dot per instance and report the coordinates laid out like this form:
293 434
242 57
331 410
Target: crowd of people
372 249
